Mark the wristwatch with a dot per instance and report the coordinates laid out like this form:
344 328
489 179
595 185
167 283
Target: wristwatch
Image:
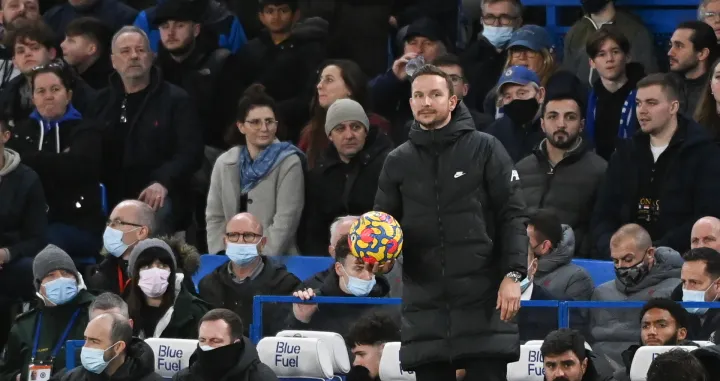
515 276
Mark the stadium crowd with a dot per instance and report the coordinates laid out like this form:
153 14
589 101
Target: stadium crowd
262 128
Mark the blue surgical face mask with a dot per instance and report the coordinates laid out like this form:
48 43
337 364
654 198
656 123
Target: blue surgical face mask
93 359
498 36
112 240
359 287
241 253
61 290
524 284
696 296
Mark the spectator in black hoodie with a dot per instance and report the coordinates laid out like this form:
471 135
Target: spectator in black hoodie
611 105
14 12
33 45
248 273
65 150
693 48
664 178
87 49
350 278
285 58
153 142
23 223
114 13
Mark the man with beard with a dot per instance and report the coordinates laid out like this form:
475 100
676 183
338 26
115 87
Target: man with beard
521 95
662 323
563 173
693 48
663 179
565 357
12 12
458 198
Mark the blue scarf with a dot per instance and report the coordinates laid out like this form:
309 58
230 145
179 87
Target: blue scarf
252 172
626 128
70 114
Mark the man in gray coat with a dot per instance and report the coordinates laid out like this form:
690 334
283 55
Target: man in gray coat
563 173
642 273
553 245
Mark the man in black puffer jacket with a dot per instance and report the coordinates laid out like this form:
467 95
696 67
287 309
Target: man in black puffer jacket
457 196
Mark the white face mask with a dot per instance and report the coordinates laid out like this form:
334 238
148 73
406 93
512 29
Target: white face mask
697 296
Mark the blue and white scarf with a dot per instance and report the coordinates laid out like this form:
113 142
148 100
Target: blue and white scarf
253 171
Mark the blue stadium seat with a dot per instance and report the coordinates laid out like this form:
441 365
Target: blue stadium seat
305 267
208 263
600 271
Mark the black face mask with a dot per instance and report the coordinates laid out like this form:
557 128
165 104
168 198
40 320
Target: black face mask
219 361
632 275
594 6
359 373
522 111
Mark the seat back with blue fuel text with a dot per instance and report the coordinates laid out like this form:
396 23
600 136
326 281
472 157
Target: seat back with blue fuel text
296 358
390 369
645 356
335 344
171 355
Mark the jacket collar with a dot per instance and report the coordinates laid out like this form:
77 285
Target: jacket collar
375 143
156 80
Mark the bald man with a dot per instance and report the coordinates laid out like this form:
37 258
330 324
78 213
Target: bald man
642 272
247 273
706 233
111 351
130 222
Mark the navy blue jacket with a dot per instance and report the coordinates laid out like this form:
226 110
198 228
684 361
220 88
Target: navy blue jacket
113 13
519 141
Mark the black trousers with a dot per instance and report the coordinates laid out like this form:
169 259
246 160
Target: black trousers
476 370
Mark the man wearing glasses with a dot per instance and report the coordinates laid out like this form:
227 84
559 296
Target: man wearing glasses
129 223
709 13
485 59
248 273
450 64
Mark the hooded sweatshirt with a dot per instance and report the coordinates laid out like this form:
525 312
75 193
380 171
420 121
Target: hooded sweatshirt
559 275
616 329
23 208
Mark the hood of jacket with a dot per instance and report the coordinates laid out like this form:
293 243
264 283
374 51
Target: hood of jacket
689 135
561 256
311 29
215 12
668 263
574 154
70 114
139 363
375 144
187 256
461 123
11 161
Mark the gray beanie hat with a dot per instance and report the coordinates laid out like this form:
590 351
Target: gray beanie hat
146 244
343 110
49 259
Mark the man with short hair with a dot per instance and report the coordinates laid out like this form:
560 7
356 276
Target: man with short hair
339 227
223 352
700 277
599 13
248 273
130 222
366 340
457 196
108 302
13 12
485 58
611 103
706 233
450 64
389 90
642 272
672 149
519 130
87 49
344 180
153 143
566 359
115 14
111 351
693 48
552 244
33 44
563 173
709 13
676 365
350 278
662 323
206 72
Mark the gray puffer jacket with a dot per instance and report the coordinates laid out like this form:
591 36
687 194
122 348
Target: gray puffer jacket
560 276
614 330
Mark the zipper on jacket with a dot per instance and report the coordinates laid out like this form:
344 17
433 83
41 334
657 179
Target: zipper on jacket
548 180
